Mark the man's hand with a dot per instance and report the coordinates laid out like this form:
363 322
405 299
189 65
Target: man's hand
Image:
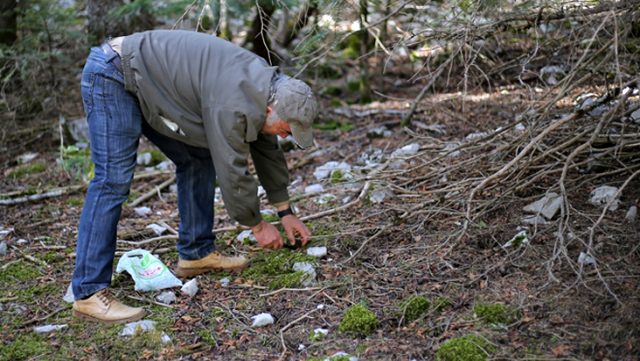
292 227
267 235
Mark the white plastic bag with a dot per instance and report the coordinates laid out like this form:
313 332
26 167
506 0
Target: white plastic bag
148 272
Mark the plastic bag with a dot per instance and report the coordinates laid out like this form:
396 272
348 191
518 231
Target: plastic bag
148 272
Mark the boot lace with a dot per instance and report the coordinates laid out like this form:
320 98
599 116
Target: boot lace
104 296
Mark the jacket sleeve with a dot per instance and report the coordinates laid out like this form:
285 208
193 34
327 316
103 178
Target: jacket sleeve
271 167
225 131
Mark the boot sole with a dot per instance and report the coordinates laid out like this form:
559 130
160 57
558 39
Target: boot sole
190 272
86 317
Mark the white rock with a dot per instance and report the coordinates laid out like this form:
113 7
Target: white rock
4 232
164 165
325 198
190 288
174 189
27 157
631 215
380 195
224 282
48 328
324 170
519 239
602 195
261 191
158 229
313 188
322 331
3 248
165 338
449 147
635 116
317 251
130 329
142 211
320 306
340 355
22 242
549 72
144 158
379 132
475 136
534 220
262 319
406 151
310 273
520 127
548 205
301 347
68 296
166 297
586 259
246 235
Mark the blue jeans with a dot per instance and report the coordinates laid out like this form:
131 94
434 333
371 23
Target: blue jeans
115 125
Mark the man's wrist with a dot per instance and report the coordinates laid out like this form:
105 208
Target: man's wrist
285 212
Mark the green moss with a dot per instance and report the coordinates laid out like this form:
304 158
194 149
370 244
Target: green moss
274 268
28 169
337 176
465 348
316 336
358 321
495 313
333 91
208 337
75 201
414 307
26 346
19 271
441 303
53 257
157 156
270 217
330 124
287 280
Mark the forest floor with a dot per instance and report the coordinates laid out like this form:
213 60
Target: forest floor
522 302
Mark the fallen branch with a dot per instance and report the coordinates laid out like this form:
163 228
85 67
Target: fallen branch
289 290
57 192
153 192
284 345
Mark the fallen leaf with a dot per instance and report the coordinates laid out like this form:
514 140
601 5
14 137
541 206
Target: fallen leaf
561 350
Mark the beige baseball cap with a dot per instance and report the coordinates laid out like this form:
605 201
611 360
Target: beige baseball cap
295 103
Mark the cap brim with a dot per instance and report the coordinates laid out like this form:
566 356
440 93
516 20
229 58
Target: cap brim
302 135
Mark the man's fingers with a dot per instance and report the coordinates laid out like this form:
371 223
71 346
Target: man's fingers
291 235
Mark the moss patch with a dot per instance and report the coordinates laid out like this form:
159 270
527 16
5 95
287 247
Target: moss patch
24 347
358 321
28 169
465 348
414 307
495 313
19 271
274 268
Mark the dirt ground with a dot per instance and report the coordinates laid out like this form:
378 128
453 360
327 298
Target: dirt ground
379 255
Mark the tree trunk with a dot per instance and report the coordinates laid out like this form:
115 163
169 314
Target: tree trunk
102 24
8 25
365 88
301 20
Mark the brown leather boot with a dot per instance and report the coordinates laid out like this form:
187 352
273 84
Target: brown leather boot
213 262
103 307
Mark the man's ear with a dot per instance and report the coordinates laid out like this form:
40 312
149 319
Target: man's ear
269 110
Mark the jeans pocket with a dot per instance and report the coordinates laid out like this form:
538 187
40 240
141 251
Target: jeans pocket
86 90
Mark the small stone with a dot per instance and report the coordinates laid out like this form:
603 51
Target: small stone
586 259
520 127
380 195
548 205
4 232
164 165
549 72
317 251
635 116
325 170
322 331
174 189
534 220
22 242
379 132
166 297
3 248
310 273
246 235
340 355
630 217
450 150
48 328
475 136
406 151
519 239
313 188
144 159
165 338
325 198
68 296
142 211
158 229
224 282
602 195
190 288
130 329
320 306
301 347
26 157
261 191
262 319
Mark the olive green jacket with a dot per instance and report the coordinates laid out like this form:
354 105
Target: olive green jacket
210 93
